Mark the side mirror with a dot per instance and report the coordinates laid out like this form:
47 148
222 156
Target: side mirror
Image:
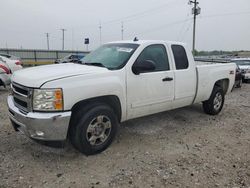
143 66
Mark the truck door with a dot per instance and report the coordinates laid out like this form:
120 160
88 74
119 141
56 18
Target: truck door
185 76
151 91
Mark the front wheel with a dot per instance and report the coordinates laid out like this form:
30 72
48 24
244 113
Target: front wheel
215 103
94 129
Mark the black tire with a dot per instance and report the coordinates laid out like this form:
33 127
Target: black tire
78 134
209 106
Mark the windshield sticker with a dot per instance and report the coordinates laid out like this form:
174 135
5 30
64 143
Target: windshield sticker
128 50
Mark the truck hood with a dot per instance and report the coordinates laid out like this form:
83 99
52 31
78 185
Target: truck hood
36 76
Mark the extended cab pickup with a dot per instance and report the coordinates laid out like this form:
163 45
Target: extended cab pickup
117 82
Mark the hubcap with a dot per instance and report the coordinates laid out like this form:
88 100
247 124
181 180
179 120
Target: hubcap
217 101
98 130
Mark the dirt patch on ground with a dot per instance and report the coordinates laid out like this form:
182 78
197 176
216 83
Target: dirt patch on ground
179 148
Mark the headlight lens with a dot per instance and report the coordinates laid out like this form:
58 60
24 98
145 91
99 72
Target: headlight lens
47 100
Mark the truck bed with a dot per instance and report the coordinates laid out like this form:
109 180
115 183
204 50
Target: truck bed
207 62
208 73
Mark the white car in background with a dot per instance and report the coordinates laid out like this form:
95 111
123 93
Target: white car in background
13 64
244 65
4 74
9 56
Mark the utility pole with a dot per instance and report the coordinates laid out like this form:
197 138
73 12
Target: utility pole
63 30
122 30
195 11
100 28
47 36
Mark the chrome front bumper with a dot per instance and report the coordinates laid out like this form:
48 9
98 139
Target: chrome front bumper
40 126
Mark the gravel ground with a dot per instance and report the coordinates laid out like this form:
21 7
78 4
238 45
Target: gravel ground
179 148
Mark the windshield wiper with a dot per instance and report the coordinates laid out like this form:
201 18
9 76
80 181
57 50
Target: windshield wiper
94 64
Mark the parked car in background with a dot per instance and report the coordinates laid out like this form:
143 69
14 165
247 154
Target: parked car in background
72 58
238 77
4 74
10 56
14 65
244 65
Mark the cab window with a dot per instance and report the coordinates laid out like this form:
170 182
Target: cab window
156 53
180 57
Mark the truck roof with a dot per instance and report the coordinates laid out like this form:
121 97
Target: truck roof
148 42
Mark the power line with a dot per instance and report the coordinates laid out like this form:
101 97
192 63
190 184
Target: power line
186 31
184 25
143 13
134 16
188 19
165 25
225 14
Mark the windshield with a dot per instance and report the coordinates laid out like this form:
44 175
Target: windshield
242 62
111 56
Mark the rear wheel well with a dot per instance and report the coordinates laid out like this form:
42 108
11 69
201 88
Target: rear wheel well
223 84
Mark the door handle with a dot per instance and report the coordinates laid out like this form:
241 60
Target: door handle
167 79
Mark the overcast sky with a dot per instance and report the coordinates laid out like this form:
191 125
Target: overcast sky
222 24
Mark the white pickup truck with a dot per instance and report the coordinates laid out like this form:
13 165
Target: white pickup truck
117 82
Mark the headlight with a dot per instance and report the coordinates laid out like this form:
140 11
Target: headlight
47 100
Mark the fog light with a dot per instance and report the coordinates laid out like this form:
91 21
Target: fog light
40 133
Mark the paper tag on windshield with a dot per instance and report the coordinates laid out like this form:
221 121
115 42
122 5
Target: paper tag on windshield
128 50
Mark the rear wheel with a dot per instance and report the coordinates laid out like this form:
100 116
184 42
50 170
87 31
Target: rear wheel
94 129
215 103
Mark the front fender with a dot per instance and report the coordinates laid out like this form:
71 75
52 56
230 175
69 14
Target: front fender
84 87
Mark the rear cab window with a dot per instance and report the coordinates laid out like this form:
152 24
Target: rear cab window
180 57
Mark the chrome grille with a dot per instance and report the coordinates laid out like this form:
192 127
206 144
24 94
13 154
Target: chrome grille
22 97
